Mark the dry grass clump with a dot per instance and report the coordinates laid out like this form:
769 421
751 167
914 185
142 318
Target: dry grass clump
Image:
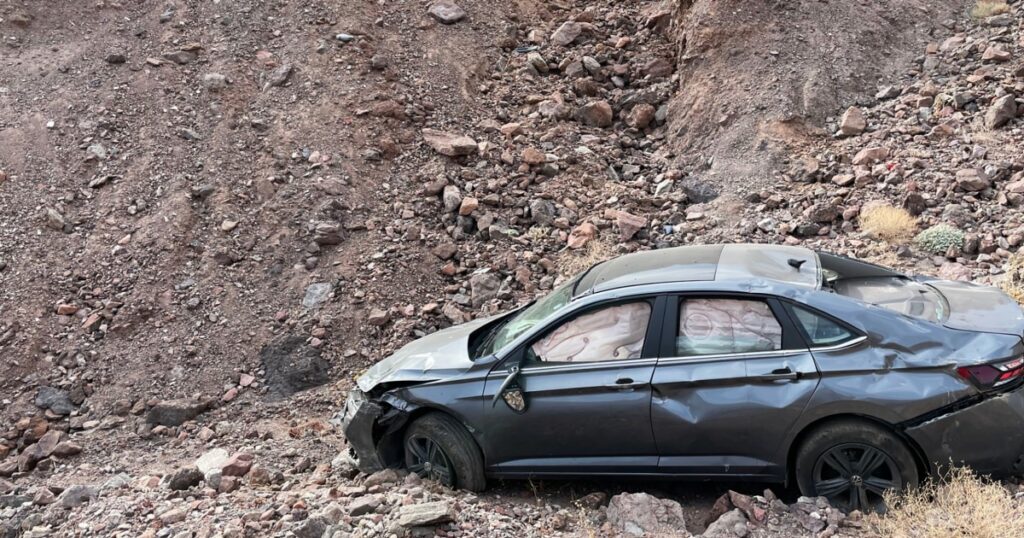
888 223
986 8
1013 281
571 262
958 505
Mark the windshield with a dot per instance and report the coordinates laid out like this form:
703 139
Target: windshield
525 319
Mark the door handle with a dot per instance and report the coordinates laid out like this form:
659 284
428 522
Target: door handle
781 373
624 383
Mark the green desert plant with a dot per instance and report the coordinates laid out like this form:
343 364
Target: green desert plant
939 238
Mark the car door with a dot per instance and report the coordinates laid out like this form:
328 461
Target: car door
585 383
733 377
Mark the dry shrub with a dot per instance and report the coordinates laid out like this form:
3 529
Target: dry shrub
573 262
958 505
986 8
1013 281
888 223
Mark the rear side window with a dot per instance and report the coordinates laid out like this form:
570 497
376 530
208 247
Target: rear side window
820 330
606 334
722 326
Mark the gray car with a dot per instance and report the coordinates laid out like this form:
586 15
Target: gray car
741 362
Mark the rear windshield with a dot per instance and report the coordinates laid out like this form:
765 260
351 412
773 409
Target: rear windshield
900 294
877 285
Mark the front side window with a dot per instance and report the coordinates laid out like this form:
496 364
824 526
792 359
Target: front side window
820 330
607 334
530 316
722 326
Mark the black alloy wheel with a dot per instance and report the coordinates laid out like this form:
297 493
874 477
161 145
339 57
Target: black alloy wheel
856 476
438 447
427 459
853 462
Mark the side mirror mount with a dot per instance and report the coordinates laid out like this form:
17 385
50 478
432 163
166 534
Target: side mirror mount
510 391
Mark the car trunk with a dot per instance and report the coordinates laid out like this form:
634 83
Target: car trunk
979 308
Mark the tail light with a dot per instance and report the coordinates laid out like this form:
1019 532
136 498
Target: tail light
990 376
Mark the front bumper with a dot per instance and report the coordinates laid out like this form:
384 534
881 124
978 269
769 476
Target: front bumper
987 436
373 430
358 420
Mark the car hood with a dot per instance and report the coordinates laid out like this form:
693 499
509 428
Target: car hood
438 355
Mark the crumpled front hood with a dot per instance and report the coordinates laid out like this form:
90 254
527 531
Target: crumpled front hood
436 356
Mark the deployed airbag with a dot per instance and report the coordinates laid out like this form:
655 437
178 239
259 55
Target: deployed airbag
612 333
714 326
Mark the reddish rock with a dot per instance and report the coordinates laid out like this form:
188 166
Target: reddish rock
533 156
870 155
66 449
995 54
629 225
566 33
66 309
581 235
596 114
450 144
468 206
641 116
237 465
853 122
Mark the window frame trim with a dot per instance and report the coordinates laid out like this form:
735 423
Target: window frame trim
858 335
792 340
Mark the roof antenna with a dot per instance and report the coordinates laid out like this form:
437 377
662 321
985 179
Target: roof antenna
795 263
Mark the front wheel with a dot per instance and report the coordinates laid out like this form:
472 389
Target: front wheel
438 448
853 463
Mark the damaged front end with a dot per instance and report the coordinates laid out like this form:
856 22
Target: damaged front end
373 427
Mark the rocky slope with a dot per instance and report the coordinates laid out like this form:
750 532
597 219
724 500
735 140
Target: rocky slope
215 214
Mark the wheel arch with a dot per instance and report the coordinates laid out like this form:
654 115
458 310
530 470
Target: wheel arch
390 444
915 450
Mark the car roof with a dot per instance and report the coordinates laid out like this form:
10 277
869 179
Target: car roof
796 266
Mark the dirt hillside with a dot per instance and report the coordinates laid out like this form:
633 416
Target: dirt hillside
222 211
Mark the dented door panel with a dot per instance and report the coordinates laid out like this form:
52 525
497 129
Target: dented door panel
574 412
729 415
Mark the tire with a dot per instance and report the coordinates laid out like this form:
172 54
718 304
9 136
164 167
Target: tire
453 445
832 459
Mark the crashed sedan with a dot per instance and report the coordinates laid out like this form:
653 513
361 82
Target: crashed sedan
741 362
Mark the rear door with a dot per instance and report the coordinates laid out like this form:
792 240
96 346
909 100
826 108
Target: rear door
586 386
733 377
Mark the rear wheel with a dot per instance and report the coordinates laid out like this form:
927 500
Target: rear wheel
853 463
438 448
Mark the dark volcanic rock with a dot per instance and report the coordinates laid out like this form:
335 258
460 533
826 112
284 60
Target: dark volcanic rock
292 366
175 412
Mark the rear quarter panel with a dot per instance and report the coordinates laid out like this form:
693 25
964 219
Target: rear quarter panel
904 369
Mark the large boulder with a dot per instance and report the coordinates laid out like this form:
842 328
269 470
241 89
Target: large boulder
292 366
450 144
641 514
732 524
1002 111
446 12
175 412
418 515
56 400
